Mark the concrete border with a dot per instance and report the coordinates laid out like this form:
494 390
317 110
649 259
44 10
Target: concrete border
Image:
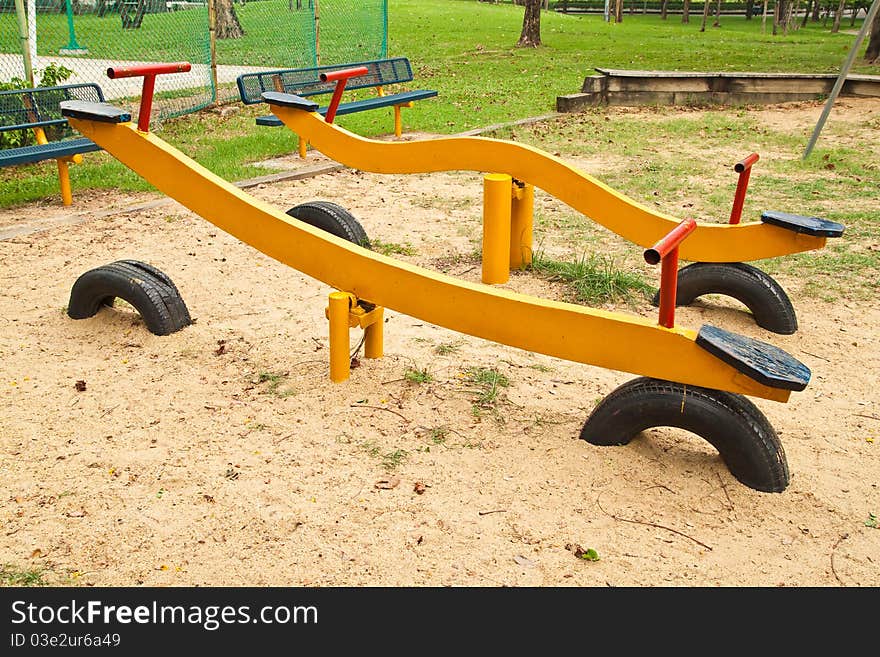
631 87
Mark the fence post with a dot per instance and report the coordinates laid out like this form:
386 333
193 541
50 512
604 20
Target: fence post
212 39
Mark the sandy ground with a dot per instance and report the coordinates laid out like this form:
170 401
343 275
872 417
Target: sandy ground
223 455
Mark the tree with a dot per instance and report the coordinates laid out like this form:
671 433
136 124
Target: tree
837 16
872 54
531 29
686 12
226 22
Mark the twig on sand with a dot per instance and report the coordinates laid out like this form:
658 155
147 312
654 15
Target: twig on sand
724 488
649 524
486 513
381 408
840 540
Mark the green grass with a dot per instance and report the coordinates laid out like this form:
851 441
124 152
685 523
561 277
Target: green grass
415 375
593 279
462 48
392 248
14 576
489 383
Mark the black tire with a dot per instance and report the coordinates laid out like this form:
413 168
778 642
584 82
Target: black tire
731 423
159 304
761 294
173 300
333 219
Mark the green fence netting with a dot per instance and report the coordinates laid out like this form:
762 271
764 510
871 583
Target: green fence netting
77 40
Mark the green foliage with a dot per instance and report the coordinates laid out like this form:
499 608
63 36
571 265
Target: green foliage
13 576
594 279
51 76
414 375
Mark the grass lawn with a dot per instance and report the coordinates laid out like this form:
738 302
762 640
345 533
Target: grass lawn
465 50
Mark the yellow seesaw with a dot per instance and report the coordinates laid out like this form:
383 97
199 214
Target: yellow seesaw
693 380
730 245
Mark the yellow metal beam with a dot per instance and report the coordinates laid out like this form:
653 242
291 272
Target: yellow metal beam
596 337
629 219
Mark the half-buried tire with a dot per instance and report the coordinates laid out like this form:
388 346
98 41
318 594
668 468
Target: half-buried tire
731 423
333 219
148 289
761 294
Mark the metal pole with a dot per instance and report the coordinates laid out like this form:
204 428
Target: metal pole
25 46
838 85
212 40
32 34
72 47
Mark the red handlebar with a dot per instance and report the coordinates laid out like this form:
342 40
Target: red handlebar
344 74
665 251
149 73
665 245
341 77
744 169
147 69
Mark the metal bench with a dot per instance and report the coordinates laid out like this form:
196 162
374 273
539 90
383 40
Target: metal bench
307 82
38 109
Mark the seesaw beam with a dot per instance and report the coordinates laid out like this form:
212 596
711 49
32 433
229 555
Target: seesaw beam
604 339
620 214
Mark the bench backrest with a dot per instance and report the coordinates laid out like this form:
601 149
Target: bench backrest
307 81
39 107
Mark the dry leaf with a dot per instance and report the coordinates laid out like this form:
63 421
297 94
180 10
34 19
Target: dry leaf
420 488
36 554
80 386
387 484
221 348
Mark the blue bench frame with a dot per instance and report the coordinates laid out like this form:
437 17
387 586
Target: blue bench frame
306 82
38 109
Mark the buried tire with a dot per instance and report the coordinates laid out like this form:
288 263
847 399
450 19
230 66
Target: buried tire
761 294
333 219
731 423
149 290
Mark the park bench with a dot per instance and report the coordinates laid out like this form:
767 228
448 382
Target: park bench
38 109
307 82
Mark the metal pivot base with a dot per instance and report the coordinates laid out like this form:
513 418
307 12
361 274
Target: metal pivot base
344 312
731 423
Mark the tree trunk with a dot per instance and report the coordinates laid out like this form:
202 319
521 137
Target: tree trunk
872 54
750 9
228 26
816 9
686 12
663 8
717 22
835 26
705 15
807 11
531 29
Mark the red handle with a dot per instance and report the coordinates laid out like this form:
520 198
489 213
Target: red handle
665 245
149 73
344 74
744 169
341 77
666 250
746 163
147 69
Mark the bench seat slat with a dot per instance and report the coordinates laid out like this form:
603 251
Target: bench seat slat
361 105
50 151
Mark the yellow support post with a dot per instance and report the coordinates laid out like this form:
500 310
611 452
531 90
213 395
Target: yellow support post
64 179
337 313
521 224
496 227
374 335
303 147
398 121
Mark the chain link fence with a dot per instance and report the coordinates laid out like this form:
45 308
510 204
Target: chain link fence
70 41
